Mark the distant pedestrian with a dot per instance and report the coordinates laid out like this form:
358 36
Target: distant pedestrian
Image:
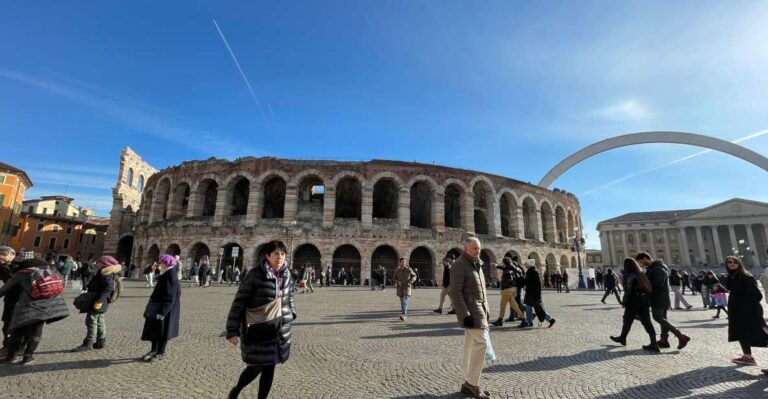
374 281
194 274
235 276
96 302
658 275
557 280
468 295
697 283
260 319
86 272
445 286
205 271
66 270
149 274
163 311
745 320
686 282
383 277
675 281
565 282
40 302
404 277
342 277
509 275
706 289
599 279
533 300
309 275
610 286
417 283
637 304
328 277
720 295
179 268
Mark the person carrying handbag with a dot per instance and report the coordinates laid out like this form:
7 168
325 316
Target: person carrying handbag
260 319
95 303
161 316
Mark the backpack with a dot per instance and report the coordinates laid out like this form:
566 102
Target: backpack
45 283
118 288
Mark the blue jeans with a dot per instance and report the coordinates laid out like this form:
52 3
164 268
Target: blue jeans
529 315
404 305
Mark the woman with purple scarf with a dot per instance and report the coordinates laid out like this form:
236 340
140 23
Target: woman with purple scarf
161 317
260 319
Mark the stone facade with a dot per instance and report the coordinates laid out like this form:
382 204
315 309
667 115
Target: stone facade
126 201
690 238
348 214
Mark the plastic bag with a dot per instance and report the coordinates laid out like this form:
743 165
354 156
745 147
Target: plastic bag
490 354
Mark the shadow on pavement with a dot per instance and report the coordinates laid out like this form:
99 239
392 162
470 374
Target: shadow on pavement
560 362
10 370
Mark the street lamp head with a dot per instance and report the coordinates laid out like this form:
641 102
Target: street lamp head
741 241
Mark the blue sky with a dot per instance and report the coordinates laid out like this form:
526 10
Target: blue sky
501 87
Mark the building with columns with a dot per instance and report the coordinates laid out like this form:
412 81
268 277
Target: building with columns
351 215
690 238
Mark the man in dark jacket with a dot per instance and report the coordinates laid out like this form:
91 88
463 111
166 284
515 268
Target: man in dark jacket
599 278
30 313
446 285
658 274
7 268
533 301
609 282
508 287
469 298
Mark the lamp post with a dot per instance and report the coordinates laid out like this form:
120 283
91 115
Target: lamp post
576 243
743 251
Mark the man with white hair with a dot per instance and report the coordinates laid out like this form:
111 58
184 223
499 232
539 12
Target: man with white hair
468 296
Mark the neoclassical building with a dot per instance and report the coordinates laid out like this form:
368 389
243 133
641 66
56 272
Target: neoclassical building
353 215
690 238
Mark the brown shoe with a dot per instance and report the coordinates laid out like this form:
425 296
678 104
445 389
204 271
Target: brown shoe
468 389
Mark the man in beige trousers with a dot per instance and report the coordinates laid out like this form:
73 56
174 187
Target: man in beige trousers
469 300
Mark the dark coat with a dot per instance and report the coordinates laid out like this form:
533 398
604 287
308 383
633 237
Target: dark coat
102 284
745 312
12 296
658 274
610 281
467 291
532 287
29 310
168 293
508 275
447 276
635 297
674 279
259 287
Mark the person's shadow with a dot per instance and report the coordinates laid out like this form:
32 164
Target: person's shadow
10 370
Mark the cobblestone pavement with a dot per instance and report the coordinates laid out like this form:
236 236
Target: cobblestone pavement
349 343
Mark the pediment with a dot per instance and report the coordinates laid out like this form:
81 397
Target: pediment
732 208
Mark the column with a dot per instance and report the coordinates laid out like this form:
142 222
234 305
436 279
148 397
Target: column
652 240
519 232
765 233
253 214
605 246
624 243
438 213
638 242
404 208
700 243
732 235
291 203
194 203
718 248
539 226
366 213
751 238
329 206
667 247
222 206
684 248
495 220
468 213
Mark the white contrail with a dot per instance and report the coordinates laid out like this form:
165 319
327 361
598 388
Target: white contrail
676 161
245 79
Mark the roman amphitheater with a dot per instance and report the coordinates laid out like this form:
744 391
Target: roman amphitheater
354 215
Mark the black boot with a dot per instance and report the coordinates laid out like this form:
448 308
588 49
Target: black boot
86 346
663 341
99 344
498 323
619 340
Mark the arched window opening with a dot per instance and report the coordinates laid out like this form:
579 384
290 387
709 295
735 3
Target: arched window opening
385 199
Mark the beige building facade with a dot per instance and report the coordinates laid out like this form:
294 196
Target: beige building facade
351 215
690 238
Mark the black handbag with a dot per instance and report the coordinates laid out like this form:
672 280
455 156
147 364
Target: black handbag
84 302
152 310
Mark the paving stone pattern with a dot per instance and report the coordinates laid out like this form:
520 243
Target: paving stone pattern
349 343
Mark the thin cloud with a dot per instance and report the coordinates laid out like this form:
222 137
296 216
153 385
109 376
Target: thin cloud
670 163
240 69
40 176
140 118
631 110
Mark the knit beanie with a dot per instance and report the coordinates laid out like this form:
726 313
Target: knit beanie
168 260
106 261
33 262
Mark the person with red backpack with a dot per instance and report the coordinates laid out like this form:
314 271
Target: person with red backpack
95 302
40 302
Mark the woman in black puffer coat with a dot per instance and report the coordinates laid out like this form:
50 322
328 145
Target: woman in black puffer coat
271 280
745 312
